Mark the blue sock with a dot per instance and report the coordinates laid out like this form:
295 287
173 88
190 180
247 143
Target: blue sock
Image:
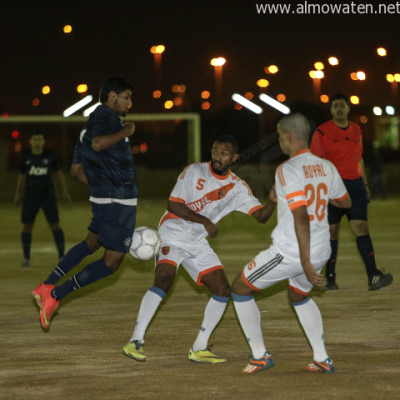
71 260
60 242
331 264
91 273
366 250
26 244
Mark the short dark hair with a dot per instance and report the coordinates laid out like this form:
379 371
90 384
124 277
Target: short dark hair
340 96
228 139
114 84
36 132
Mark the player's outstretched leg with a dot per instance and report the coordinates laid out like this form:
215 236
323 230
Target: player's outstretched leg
219 286
311 321
165 275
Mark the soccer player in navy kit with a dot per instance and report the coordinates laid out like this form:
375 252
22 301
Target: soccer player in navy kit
37 166
103 159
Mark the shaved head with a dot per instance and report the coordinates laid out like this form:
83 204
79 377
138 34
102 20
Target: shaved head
297 125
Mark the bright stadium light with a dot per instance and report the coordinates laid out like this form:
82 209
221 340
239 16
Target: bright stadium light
90 109
377 110
247 103
77 106
273 103
389 110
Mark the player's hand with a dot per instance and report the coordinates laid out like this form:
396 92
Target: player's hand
131 126
312 275
212 229
272 195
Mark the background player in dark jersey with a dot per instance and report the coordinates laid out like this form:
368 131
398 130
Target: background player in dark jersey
37 166
103 159
340 142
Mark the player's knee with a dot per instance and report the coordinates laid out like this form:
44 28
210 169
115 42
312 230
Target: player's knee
27 228
223 291
240 288
165 277
296 297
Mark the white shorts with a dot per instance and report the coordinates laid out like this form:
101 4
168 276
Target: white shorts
198 260
271 266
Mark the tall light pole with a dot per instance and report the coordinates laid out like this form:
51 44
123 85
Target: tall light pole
218 63
157 51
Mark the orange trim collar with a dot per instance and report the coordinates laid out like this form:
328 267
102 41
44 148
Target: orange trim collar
301 152
219 177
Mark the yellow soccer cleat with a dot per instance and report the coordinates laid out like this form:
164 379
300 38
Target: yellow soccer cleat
205 356
134 350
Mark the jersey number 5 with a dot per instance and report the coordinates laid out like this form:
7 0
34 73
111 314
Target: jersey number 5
320 205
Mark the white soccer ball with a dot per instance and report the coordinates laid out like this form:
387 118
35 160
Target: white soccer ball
145 243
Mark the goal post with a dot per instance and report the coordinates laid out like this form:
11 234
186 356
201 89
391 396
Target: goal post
194 128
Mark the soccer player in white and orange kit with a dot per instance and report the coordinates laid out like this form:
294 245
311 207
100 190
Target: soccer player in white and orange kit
304 184
204 193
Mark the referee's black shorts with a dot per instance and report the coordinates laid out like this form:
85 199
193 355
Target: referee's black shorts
33 203
359 203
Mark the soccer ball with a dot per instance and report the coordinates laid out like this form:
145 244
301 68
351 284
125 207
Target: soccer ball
145 243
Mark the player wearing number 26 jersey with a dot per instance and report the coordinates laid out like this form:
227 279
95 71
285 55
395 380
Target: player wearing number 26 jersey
304 185
311 181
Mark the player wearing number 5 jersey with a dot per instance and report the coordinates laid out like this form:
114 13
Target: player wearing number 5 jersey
203 194
305 184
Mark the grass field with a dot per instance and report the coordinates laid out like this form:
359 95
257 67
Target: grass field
80 357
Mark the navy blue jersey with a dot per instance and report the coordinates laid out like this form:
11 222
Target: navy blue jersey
38 170
111 172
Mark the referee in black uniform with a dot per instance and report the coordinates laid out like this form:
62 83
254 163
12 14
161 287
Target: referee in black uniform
37 166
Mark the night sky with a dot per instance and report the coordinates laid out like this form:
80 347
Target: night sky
114 37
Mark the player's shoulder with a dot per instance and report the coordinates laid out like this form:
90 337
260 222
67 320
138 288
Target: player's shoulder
354 125
326 127
193 170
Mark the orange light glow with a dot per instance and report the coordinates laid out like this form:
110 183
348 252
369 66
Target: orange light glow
218 62
205 105
262 83
333 61
35 102
46 89
168 104
353 76
205 94
67 29
319 66
354 100
178 101
281 97
364 119
397 77
381 51
272 69
312 74
15 134
157 94
143 147
390 78
324 98
4 115
361 76
248 95
82 88
238 106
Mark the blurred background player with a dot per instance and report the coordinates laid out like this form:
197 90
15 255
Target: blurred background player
304 185
340 142
37 166
103 159
204 193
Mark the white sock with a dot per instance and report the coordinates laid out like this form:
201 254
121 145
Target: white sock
250 320
150 302
311 321
212 315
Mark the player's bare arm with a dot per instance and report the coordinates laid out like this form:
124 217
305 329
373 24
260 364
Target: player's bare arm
78 173
104 142
302 228
183 211
264 214
364 176
345 203
18 191
61 178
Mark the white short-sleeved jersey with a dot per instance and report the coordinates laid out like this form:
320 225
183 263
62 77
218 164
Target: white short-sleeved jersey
208 194
306 179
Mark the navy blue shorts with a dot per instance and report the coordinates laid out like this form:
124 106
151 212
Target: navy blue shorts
359 203
115 224
33 203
